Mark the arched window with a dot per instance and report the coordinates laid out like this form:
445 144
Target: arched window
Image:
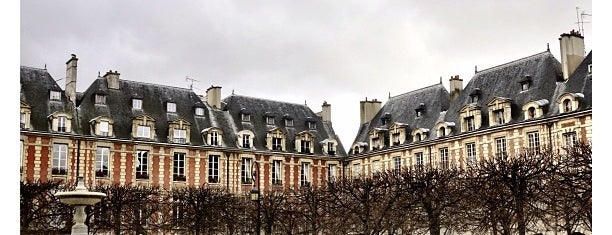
417 137
531 112
567 105
442 132
356 151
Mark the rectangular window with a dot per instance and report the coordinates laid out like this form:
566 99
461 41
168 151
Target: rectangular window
444 158
144 132
471 152
213 169
246 117
199 112
170 107
102 155
61 124
214 138
396 138
397 164
330 148
418 159
270 120
178 170
356 170
142 164
60 155
474 98
276 172
180 136
276 144
499 116
376 166
570 139
304 146
245 171
246 141
54 95
21 156
500 147
137 104
100 99
305 174
525 86
312 125
22 118
533 139
104 128
288 122
469 121
332 172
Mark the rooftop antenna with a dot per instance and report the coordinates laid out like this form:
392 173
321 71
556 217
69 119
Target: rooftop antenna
580 17
187 78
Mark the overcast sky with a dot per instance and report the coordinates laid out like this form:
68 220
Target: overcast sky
295 51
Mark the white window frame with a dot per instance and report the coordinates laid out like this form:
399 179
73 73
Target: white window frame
305 146
143 131
60 159
22 121
305 174
470 149
533 140
499 116
178 167
214 138
246 176
61 124
470 124
270 120
142 164
332 174
179 136
444 162
213 169
102 160
418 159
55 95
569 138
289 122
246 140
103 128
312 125
277 143
246 117
171 107
199 111
397 164
277 172
100 99
501 147
137 104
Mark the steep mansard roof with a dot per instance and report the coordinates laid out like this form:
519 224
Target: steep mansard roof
503 81
36 85
402 109
259 108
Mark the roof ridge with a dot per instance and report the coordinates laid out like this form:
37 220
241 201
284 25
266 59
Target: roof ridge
23 66
154 84
422 88
265 99
514 61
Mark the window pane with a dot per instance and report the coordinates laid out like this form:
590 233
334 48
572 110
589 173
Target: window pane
142 167
136 104
60 153
102 155
171 107
199 111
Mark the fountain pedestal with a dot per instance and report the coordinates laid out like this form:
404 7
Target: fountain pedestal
79 199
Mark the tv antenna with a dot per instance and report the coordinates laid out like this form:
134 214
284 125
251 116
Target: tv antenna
187 78
580 17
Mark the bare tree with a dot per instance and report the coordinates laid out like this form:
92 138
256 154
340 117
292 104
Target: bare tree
41 211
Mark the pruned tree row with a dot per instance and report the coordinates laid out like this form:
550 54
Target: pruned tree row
533 192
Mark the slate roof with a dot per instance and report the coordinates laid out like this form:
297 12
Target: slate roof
542 70
36 85
259 108
402 109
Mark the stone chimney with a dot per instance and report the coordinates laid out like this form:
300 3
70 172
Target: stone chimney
456 86
572 52
368 109
326 111
213 96
112 79
71 78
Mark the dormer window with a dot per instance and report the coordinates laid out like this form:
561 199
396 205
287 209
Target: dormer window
396 138
289 122
589 70
499 110
61 124
305 146
143 132
104 128
534 109
329 146
474 98
499 116
171 107
420 110
304 142
246 141
569 102
441 132
275 139
54 95
276 144
417 137
312 125
567 105
22 120
270 120
356 150
180 136
137 104
525 83
470 123
199 111
214 138
246 117
474 95
531 113
100 99
331 150
24 115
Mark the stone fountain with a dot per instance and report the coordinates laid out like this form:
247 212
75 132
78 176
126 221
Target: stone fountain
79 199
